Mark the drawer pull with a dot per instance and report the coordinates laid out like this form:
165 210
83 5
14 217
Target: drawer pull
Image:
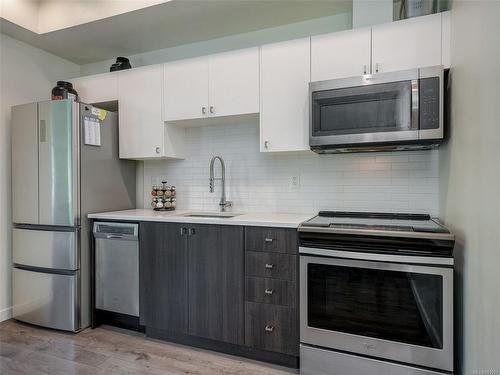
267 239
269 291
269 328
269 266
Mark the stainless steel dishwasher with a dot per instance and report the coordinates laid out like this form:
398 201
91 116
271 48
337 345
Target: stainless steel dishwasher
117 267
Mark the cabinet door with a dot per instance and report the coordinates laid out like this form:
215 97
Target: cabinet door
407 44
185 89
340 55
98 88
234 83
163 274
446 39
284 87
141 126
216 283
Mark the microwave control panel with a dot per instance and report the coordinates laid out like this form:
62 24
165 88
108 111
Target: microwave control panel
429 103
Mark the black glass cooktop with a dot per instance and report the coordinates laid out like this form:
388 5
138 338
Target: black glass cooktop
401 222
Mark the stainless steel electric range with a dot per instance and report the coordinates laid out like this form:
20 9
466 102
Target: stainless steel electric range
376 294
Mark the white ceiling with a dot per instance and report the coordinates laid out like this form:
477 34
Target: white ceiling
168 24
43 16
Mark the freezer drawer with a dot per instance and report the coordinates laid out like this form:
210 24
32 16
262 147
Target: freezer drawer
45 299
46 249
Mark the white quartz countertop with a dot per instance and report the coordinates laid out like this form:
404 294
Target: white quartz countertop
179 216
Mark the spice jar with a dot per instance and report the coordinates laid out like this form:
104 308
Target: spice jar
159 203
173 202
154 191
153 202
172 191
167 203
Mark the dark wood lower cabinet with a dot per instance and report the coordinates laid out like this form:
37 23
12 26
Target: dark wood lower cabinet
163 266
272 328
193 291
216 309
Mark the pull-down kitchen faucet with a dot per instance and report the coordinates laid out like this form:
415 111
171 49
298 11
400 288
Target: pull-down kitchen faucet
223 202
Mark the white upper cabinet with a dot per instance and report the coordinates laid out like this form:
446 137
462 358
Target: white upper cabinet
143 134
185 89
342 54
97 88
234 83
407 44
225 84
284 86
446 39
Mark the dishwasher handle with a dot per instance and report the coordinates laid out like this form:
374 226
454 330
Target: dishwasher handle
116 231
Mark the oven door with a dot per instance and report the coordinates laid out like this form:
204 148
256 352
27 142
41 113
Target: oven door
365 110
399 312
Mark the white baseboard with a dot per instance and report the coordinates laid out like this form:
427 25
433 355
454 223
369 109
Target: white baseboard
5 314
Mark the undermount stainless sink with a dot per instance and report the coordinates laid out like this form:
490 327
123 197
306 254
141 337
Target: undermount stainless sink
215 215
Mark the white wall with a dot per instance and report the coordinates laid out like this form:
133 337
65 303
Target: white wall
369 12
470 182
27 74
400 181
255 38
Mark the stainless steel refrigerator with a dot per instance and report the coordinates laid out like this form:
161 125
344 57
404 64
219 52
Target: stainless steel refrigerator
64 165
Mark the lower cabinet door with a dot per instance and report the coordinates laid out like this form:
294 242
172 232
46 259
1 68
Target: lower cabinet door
163 280
46 299
272 328
216 279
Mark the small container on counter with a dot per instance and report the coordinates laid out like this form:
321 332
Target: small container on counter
162 197
154 201
154 191
167 203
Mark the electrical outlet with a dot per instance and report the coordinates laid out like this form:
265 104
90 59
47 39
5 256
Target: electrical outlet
294 182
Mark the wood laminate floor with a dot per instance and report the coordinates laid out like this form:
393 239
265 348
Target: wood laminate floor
26 349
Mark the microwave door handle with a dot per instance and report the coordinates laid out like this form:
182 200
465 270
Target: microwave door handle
415 110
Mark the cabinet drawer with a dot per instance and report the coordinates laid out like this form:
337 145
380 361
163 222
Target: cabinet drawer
272 291
272 328
278 266
278 240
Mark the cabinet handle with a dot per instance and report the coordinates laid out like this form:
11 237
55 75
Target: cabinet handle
266 144
269 291
203 110
192 232
183 231
212 109
365 70
269 266
269 328
267 239
157 149
376 67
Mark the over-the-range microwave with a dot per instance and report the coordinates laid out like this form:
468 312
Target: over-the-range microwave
400 110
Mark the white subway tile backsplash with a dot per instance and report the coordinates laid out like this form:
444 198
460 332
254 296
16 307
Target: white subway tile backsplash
399 181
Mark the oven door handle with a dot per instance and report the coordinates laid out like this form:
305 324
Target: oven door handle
392 258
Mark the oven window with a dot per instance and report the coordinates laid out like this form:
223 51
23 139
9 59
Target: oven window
365 109
389 305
